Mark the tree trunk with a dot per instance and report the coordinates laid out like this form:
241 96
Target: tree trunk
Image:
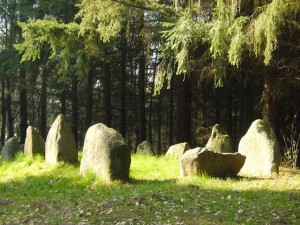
184 110
63 95
10 118
75 108
269 111
23 106
107 95
229 111
43 105
123 49
3 113
218 104
159 124
171 114
89 100
141 86
150 115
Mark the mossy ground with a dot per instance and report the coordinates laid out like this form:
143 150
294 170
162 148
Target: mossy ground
35 192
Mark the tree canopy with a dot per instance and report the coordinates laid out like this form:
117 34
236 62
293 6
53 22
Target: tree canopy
103 60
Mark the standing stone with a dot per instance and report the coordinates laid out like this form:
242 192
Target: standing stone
144 148
60 143
105 153
34 143
203 161
219 140
261 149
10 149
177 150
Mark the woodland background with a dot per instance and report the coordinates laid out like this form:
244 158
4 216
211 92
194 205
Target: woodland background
157 70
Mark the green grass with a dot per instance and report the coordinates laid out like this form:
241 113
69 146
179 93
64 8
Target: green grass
35 192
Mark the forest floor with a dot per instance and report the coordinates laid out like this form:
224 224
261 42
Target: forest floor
35 192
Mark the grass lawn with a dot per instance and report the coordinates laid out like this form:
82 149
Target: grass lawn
35 192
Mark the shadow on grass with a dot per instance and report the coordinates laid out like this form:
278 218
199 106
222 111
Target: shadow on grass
61 196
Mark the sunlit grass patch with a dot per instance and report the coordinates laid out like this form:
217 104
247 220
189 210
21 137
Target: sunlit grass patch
144 167
33 191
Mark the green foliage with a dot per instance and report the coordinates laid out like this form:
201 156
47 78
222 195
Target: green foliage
238 41
38 34
267 26
182 37
62 40
101 16
232 36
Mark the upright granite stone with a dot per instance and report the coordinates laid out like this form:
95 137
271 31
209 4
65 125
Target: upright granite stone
60 143
144 148
219 140
261 149
34 143
203 161
10 149
106 154
177 150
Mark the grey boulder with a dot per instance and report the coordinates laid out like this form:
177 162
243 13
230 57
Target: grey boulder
262 151
144 148
219 140
203 161
10 149
34 143
176 151
60 143
106 154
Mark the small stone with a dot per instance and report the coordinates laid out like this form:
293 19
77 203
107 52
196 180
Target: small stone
34 143
219 140
60 143
10 149
178 150
145 148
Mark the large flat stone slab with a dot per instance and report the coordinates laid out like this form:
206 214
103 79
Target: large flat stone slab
203 161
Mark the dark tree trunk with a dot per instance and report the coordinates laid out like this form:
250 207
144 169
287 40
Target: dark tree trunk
159 124
10 118
184 110
171 115
63 95
75 108
269 111
150 116
89 100
123 49
218 104
141 100
229 111
141 86
107 95
43 105
23 106
3 113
